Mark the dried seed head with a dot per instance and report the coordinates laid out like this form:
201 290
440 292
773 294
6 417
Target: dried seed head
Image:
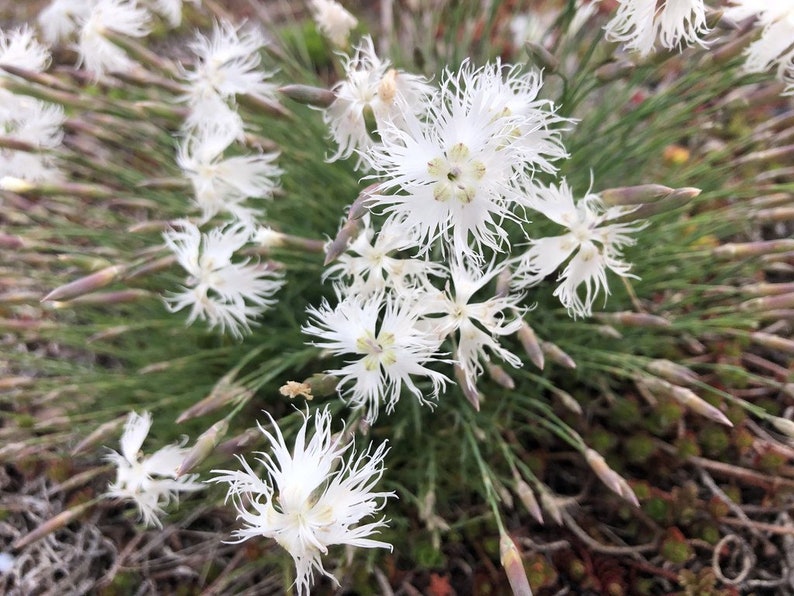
293 389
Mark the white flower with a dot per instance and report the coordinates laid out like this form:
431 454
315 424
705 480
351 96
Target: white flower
24 118
333 21
19 48
59 20
369 265
477 323
313 496
774 47
36 123
224 183
223 293
638 23
595 246
227 65
390 343
98 54
454 175
151 481
370 87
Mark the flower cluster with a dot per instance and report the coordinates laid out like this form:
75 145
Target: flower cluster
314 496
24 119
150 482
88 20
223 178
454 172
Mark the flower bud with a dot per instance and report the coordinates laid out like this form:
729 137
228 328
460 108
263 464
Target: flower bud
500 376
551 505
529 341
686 397
239 443
678 198
774 342
675 373
736 250
614 481
527 497
632 319
225 392
311 96
612 71
472 394
781 301
634 195
338 245
556 354
105 298
98 435
322 385
513 566
61 520
567 400
541 56
203 447
784 425
86 284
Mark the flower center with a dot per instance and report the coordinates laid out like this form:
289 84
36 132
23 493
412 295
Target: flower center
457 175
378 350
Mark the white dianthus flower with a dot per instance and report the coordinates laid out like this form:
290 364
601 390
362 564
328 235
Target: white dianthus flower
595 245
224 183
371 86
24 118
223 293
333 21
391 343
21 49
372 263
775 47
476 324
98 54
61 18
228 65
38 124
454 175
150 482
638 24
313 497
